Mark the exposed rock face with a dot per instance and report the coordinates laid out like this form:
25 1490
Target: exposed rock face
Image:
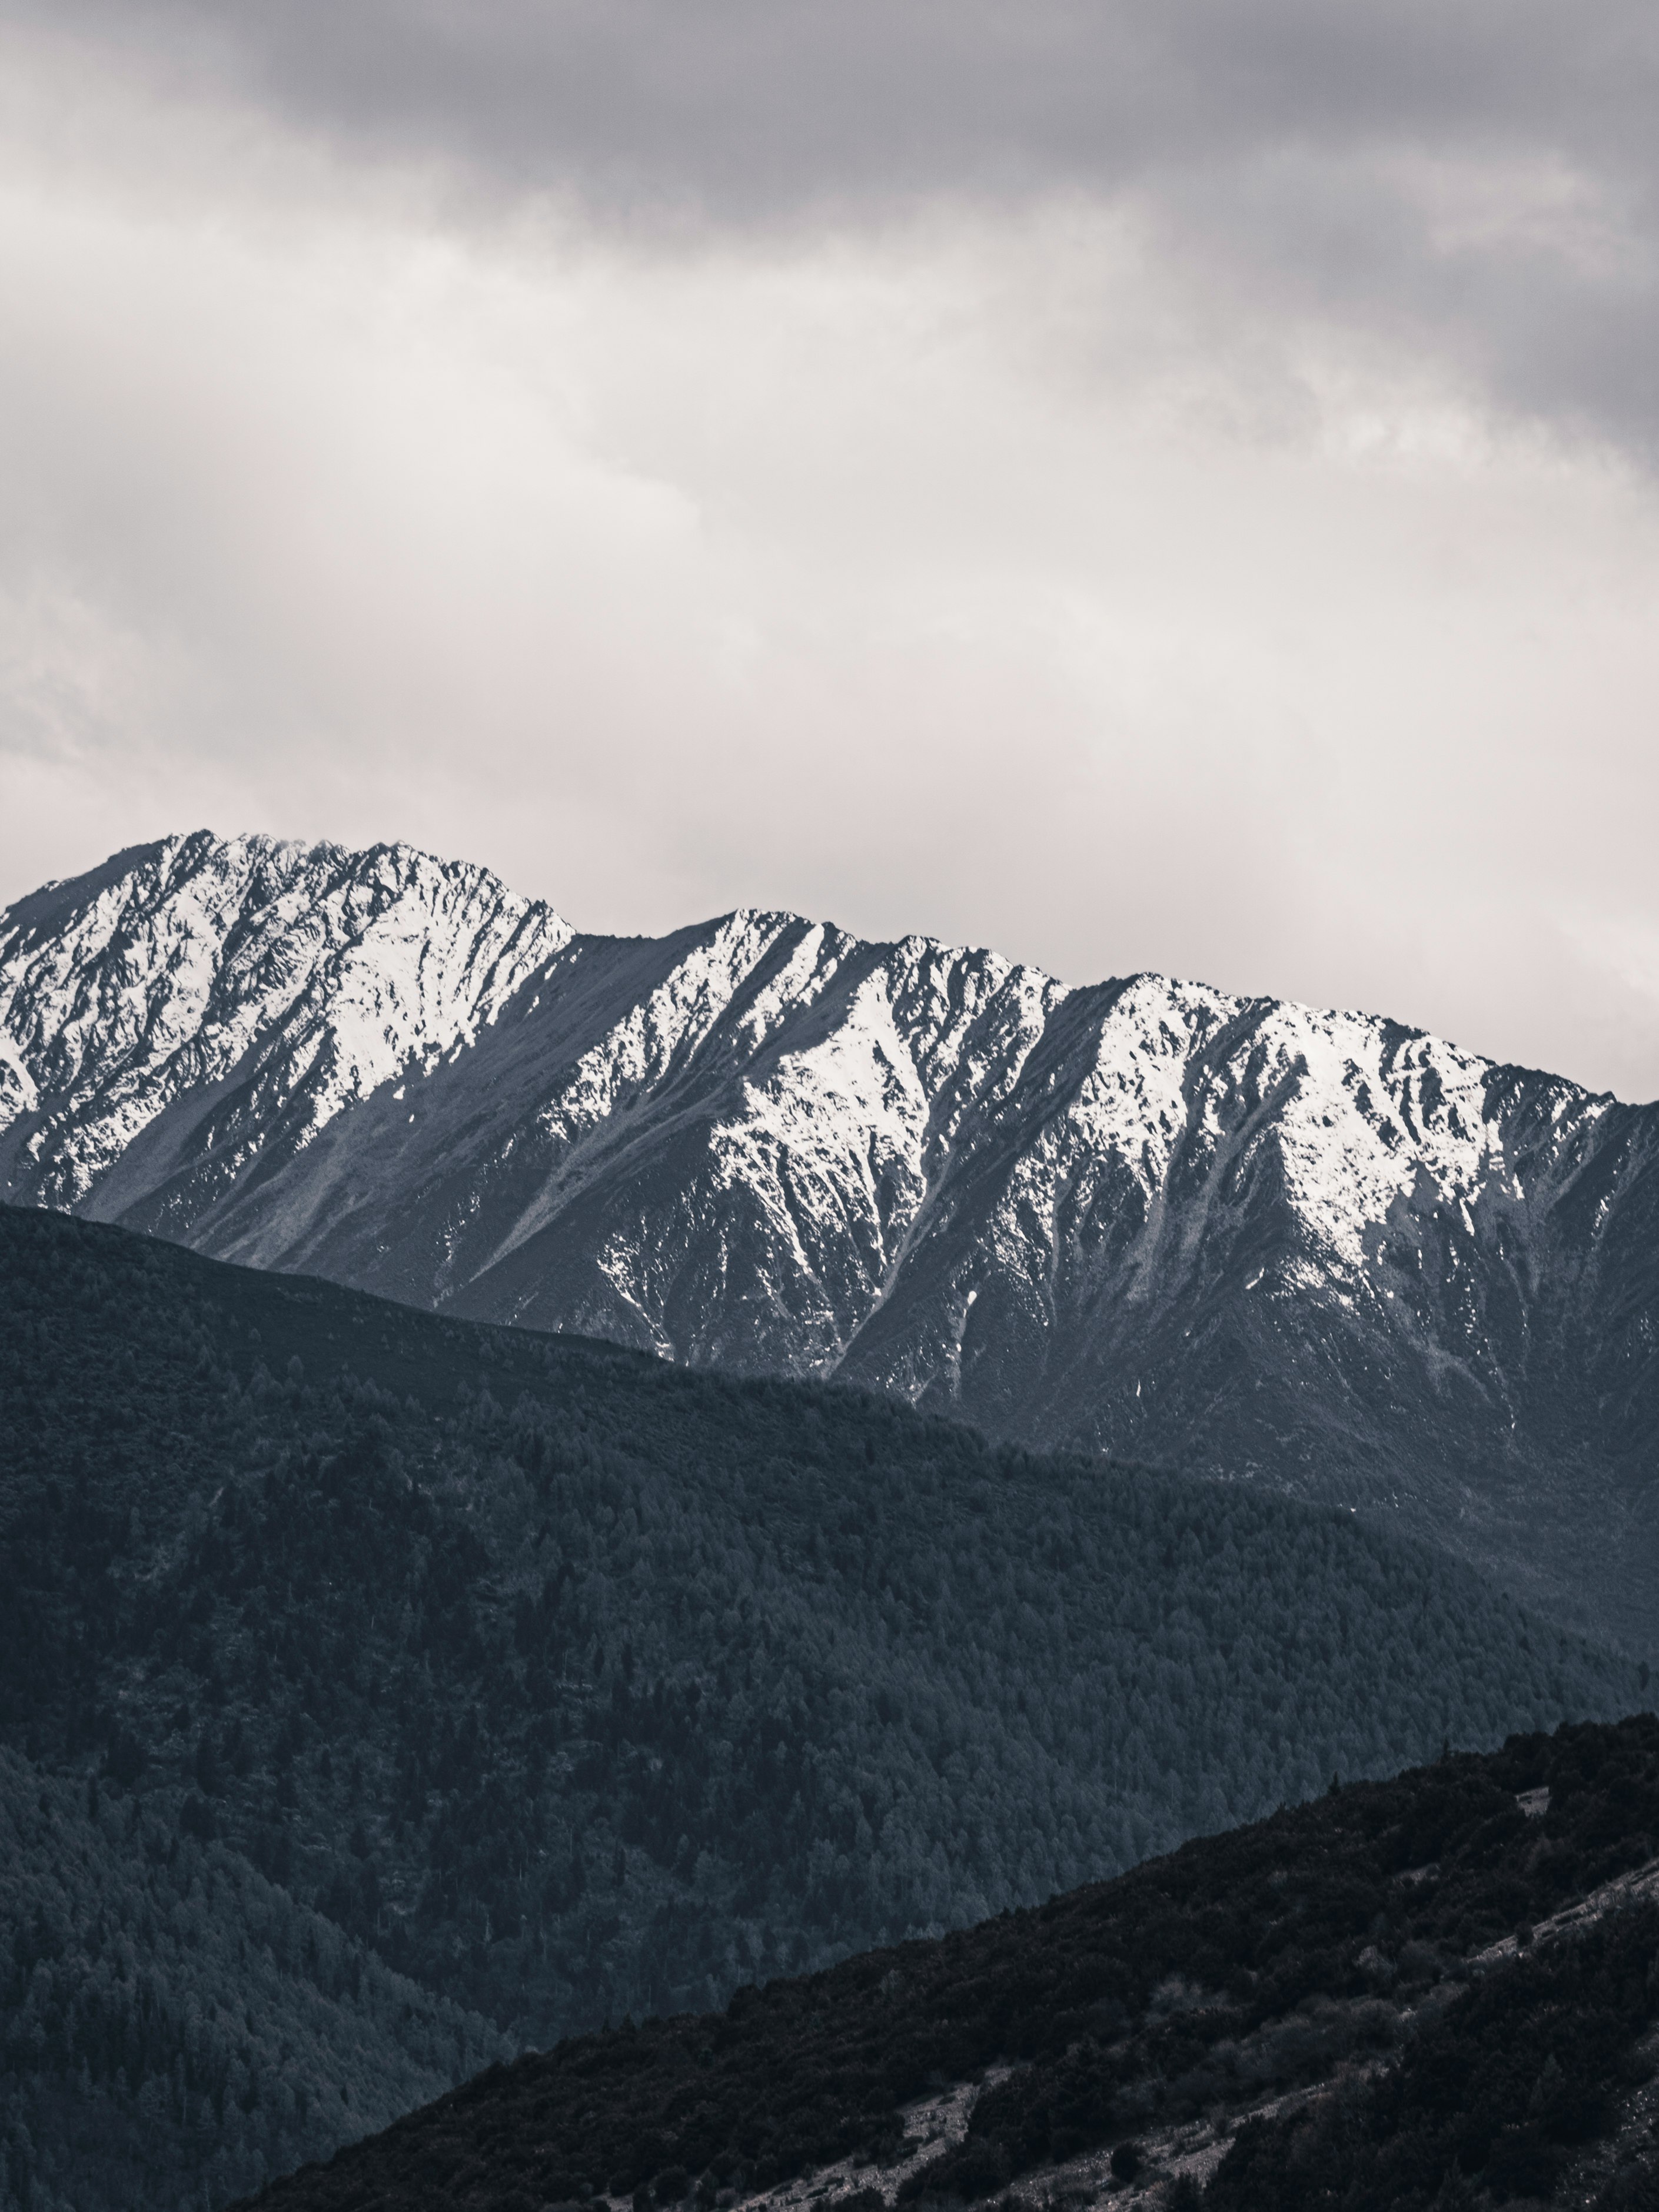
1239 1236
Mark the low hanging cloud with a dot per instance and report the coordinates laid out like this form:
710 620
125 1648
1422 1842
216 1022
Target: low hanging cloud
1137 486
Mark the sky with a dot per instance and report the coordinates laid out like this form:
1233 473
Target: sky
1146 484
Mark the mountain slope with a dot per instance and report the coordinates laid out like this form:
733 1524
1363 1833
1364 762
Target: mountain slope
171 2019
569 1683
1251 1238
1439 1989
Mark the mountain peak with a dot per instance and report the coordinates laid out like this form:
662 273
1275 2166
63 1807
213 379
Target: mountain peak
178 964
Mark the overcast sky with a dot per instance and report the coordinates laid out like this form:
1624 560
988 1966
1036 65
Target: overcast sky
1145 485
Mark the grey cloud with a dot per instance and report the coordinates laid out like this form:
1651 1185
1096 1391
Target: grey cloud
752 106
1264 144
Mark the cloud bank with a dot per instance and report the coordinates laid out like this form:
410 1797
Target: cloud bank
1141 487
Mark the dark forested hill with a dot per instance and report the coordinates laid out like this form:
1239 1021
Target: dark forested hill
1440 1990
173 2020
567 1683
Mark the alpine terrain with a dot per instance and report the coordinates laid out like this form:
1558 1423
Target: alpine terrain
1317 1250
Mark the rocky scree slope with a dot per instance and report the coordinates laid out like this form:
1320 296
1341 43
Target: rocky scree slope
1252 1238
1437 1990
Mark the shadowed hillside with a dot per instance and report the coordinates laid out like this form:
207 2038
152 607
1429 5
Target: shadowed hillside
1436 1990
568 1684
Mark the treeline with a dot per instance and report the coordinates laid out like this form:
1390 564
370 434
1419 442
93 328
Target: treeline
573 1686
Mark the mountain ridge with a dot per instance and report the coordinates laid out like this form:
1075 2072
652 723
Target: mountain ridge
1309 1247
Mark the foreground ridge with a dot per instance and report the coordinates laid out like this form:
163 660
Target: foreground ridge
1437 1989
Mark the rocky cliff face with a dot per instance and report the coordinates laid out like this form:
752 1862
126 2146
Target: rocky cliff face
1246 1237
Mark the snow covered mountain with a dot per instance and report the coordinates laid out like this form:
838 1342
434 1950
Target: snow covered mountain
1240 1235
